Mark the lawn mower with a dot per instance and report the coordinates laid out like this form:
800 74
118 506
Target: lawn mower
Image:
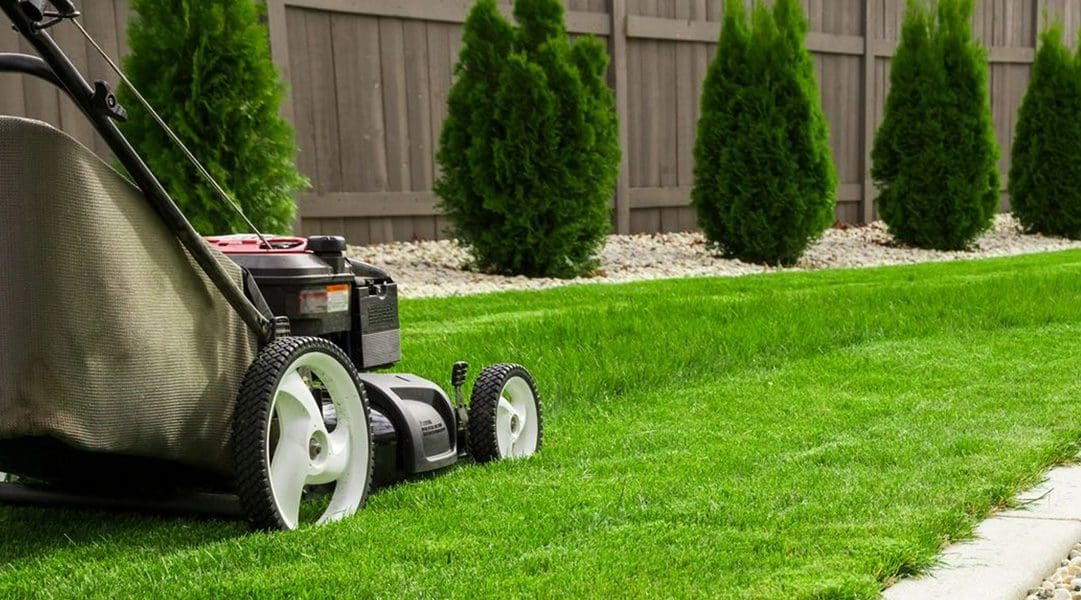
143 366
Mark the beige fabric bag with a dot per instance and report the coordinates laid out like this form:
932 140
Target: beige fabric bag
111 337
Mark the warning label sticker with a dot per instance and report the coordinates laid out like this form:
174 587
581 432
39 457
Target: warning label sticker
338 298
329 299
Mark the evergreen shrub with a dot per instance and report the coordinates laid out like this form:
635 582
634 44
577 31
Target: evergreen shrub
530 149
205 66
935 155
765 184
1046 157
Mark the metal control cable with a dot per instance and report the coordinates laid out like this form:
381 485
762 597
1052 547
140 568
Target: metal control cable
168 131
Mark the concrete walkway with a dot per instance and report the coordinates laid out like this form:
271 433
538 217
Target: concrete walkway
1013 550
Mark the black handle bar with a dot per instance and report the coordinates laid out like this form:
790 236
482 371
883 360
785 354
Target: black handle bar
64 7
35 9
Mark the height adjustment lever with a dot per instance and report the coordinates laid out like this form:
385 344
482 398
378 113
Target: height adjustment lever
457 379
105 102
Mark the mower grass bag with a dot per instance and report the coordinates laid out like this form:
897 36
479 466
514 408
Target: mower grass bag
113 343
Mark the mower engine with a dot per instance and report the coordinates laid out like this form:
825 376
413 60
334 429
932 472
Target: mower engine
415 427
324 293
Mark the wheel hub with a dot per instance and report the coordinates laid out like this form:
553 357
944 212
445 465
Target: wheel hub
316 445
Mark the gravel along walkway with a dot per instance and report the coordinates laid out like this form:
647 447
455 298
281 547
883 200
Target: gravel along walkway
426 269
1064 583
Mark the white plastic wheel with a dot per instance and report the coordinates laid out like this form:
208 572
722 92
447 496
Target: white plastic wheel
296 449
516 420
505 419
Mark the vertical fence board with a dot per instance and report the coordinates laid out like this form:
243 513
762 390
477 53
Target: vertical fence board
650 88
392 46
395 103
872 13
12 96
620 83
100 23
667 137
122 13
71 118
418 104
699 65
328 173
440 78
41 99
358 78
300 92
686 101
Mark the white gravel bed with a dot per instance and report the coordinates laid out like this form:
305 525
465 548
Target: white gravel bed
1064 583
427 269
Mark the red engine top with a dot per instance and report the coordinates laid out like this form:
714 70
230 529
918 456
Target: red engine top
251 244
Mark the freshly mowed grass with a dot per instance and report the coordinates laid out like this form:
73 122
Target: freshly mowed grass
808 434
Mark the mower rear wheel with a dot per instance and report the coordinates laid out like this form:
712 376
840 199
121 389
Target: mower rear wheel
282 445
505 418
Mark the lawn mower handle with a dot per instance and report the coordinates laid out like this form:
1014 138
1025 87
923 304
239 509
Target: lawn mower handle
36 11
94 107
28 65
64 7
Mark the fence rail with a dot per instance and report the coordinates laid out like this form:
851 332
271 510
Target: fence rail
660 51
369 79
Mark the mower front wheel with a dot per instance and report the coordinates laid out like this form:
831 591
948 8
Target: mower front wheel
301 420
505 418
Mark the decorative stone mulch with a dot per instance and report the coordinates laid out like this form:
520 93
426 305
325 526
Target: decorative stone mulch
1064 583
425 269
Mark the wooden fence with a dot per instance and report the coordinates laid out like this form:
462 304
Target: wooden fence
369 78
107 21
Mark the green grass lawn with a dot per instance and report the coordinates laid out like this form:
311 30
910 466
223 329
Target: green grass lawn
804 435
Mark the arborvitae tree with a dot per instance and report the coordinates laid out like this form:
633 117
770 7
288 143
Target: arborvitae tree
529 150
205 66
1046 164
935 156
765 184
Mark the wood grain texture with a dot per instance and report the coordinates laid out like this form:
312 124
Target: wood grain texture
620 83
368 81
660 53
24 96
12 96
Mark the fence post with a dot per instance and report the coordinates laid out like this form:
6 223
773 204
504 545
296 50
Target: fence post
867 202
619 70
279 50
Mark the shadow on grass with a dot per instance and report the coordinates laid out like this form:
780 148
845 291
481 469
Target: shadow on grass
38 533
32 533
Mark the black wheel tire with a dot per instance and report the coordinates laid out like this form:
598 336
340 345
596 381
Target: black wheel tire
252 419
483 402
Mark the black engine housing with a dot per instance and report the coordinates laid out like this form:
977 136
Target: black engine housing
324 293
